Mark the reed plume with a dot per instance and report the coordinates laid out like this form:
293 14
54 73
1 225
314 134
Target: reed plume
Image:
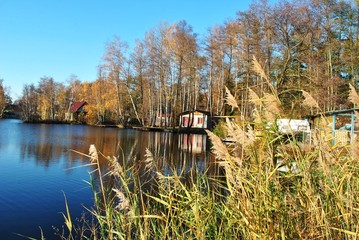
271 107
230 100
353 95
93 153
257 101
254 98
116 169
122 202
270 101
219 149
149 160
258 68
239 135
309 101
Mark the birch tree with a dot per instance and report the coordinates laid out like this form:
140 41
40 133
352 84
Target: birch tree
29 102
48 90
115 61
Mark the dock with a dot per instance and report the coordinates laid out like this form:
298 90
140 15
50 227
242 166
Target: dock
109 125
172 130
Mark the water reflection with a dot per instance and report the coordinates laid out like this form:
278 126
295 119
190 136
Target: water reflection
46 144
37 166
194 143
184 155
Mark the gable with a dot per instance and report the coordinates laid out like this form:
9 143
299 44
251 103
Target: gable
77 106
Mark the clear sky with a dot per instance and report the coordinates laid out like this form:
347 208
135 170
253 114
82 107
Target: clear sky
58 38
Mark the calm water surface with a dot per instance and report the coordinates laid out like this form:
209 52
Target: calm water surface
37 168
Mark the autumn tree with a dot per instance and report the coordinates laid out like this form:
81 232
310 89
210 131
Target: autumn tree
309 44
62 101
249 45
214 56
29 103
98 90
74 86
141 82
158 73
48 90
115 66
181 46
5 99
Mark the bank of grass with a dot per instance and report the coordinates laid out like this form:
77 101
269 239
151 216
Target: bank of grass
316 198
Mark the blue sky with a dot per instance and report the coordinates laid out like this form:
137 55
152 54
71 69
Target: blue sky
58 38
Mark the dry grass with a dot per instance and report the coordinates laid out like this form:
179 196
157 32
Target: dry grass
231 101
309 101
254 98
319 200
259 201
317 197
353 95
258 69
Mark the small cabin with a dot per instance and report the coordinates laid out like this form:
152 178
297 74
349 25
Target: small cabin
195 119
76 110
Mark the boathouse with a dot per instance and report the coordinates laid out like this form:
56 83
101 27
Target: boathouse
195 119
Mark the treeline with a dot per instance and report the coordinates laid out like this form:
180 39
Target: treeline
301 45
5 99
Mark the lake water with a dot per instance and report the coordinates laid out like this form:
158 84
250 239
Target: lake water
37 168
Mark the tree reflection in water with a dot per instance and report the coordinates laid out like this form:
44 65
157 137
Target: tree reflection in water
38 164
183 153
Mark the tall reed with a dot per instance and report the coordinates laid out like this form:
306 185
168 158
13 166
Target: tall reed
317 197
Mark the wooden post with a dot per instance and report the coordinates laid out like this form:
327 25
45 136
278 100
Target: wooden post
333 127
352 126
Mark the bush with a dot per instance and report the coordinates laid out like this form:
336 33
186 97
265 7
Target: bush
220 129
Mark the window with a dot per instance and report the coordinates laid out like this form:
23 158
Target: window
185 121
200 121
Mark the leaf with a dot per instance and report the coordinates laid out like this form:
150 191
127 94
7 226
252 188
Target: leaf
67 217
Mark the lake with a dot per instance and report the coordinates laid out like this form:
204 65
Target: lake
37 168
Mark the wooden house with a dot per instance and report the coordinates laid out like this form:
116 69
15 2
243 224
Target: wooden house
76 110
195 119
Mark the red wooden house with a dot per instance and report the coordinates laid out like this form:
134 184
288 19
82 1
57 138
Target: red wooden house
77 110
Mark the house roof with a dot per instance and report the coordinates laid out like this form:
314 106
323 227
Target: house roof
335 112
76 106
193 111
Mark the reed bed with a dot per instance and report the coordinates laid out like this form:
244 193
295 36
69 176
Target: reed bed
316 198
